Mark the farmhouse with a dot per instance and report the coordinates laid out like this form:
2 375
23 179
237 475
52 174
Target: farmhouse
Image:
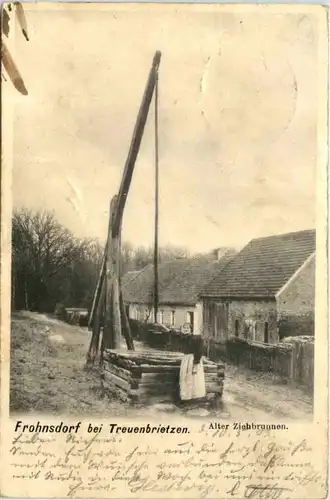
266 291
180 282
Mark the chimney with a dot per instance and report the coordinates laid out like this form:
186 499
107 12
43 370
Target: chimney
220 252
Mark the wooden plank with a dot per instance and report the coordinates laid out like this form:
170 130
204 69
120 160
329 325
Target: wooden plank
149 400
156 387
146 352
112 386
214 388
117 381
124 363
159 368
121 372
133 383
213 378
159 377
210 369
116 391
137 356
155 390
121 394
221 366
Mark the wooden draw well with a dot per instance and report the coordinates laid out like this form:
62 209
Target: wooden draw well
150 376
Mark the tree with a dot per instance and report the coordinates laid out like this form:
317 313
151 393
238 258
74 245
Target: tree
43 255
142 256
172 252
51 266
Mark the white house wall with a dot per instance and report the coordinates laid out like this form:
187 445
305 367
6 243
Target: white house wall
139 311
297 298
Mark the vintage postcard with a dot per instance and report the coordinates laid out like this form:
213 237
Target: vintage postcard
164 309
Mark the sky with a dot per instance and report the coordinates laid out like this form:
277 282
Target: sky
237 120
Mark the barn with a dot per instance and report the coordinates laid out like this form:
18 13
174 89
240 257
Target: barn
266 292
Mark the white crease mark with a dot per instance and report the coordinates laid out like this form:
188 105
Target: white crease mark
75 198
202 85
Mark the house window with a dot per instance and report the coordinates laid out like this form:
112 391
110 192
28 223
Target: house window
190 319
236 328
161 317
146 314
250 329
266 336
172 318
253 329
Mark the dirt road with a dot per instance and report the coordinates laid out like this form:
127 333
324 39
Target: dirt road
48 376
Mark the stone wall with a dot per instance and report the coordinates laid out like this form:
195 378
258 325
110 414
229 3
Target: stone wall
242 318
252 319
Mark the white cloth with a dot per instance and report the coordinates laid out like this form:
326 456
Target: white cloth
192 385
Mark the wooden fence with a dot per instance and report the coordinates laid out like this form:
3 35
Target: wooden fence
302 365
260 357
292 360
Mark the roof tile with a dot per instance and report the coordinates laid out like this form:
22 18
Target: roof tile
180 281
263 266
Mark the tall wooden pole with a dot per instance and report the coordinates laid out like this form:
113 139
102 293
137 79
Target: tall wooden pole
126 329
99 286
108 286
135 143
156 293
112 318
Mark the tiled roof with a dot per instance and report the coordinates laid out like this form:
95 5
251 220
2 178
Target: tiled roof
140 289
185 288
263 266
128 277
180 281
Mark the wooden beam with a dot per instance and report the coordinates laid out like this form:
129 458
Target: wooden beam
98 289
128 171
125 324
108 285
112 319
136 142
97 319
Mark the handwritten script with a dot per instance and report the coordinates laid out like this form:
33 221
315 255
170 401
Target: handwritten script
214 464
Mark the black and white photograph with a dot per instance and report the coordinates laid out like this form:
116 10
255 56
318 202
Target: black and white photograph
164 218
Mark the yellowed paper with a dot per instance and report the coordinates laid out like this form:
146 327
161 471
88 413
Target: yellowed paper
242 132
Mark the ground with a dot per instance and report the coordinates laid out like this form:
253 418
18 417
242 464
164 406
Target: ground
48 376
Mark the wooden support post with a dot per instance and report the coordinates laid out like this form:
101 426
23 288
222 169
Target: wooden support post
117 318
97 318
98 290
126 330
108 286
95 340
125 324
112 319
